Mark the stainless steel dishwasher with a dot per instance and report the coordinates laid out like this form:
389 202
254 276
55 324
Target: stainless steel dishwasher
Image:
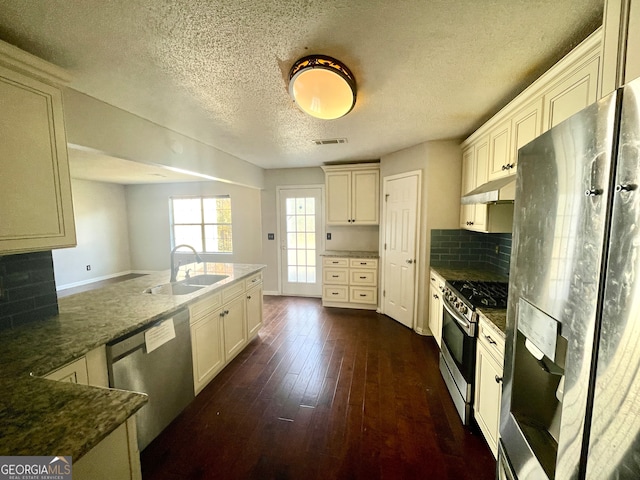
156 361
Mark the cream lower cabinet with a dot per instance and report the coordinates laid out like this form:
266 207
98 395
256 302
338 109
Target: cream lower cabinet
254 310
36 211
235 327
222 324
488 387
117 456
207 342
436 287
350 282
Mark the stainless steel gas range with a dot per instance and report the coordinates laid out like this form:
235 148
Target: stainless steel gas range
459 327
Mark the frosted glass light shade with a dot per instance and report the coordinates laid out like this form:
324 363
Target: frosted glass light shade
322 87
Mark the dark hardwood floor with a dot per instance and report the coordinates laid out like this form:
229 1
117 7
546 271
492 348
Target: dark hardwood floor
323 393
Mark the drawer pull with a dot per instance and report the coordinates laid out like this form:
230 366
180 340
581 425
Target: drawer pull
335 276
335 293
490 340
433 279
498 379
363 263
435 296
335 262
363 278
363 294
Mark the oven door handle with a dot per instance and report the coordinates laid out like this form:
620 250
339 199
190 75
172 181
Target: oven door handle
465 324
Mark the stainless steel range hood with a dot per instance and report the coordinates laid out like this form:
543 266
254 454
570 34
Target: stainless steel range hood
502 190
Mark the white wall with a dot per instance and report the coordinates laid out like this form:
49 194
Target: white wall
272 179
441 165
103 240
149 228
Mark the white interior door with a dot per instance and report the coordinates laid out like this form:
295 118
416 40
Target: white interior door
301 221
401 195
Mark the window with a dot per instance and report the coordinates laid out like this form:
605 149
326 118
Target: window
202 222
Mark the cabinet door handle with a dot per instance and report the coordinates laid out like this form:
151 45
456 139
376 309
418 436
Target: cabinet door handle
498 379
248 297
435 296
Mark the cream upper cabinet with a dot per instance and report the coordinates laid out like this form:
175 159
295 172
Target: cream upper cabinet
575 92
526 126
621 55
353 194
36 211
475 169
500 158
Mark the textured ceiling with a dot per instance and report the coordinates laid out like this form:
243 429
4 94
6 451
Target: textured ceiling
216 70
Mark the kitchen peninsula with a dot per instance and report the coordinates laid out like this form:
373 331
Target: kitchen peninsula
44 417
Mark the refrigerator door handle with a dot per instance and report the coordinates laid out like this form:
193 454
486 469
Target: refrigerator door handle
626 187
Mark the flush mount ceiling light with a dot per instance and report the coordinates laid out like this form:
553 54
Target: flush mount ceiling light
322 86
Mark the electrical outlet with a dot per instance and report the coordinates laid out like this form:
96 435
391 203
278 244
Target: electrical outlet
88 268
497 249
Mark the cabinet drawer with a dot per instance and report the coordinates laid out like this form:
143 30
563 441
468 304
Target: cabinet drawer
253 280
338 276
204 306
491 339
74 372
232 291
436 280
335 293
335 262
363 277
363 263
367 295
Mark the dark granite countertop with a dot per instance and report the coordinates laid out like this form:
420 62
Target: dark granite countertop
496 316
352 254
44 417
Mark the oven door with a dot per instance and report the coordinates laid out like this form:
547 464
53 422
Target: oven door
458 335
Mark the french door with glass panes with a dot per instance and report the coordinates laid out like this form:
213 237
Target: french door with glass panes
301 221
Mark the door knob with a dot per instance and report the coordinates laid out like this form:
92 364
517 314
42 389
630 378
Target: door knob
409 261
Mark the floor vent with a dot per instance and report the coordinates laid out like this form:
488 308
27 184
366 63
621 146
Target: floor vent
330 141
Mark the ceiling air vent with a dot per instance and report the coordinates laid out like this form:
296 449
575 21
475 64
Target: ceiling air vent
330 141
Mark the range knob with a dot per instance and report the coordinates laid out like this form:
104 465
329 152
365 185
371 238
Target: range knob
464 310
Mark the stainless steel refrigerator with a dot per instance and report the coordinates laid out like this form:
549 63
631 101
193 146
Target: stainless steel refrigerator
571 395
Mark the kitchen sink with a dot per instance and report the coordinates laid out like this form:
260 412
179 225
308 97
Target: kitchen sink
204 279
173 289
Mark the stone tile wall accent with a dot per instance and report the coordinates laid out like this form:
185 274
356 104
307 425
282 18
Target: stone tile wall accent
466 249
27 289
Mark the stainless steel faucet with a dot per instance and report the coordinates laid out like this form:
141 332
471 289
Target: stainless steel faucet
174 269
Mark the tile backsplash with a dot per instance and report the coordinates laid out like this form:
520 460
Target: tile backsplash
464 249
27 289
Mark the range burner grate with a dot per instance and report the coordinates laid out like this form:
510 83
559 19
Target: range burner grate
482 294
